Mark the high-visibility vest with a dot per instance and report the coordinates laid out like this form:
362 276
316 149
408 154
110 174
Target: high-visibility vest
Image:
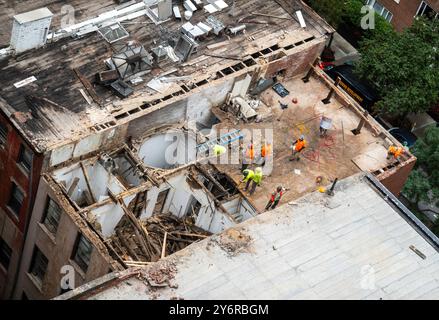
299 145
250 153
396 151
257 177
218 150
266 150
248 174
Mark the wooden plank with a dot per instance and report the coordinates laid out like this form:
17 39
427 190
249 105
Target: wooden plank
164 245
73 186
87 181
88 86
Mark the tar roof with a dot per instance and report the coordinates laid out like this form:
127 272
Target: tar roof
53 108
354 245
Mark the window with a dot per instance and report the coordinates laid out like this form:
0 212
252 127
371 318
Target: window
16 199
3 134
38 265
25 158
5 254
380 9
427 11
52 215
82 252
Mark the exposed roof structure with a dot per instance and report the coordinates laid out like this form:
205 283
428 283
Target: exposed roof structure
354 245
64 102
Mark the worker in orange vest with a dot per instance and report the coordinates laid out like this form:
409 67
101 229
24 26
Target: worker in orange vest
265 151
248 156
394 152
298 147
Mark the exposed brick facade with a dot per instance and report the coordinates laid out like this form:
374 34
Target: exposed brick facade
405 11
12 226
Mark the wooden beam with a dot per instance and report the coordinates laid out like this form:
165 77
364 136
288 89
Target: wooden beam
164 245
73 186
87 181
270 16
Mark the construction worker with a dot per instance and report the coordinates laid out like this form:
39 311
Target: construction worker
298 147
265 151
275 198
248 156
219 150
248 177
394 152
256 179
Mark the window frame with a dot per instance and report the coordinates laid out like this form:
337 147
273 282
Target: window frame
3 134
32 265
3 244
21 158
10 205
384 12
75 257
46 216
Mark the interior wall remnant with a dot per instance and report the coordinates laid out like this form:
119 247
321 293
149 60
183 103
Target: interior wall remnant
108 216
83 146
178 202
168 150
296 63
240 87
100 182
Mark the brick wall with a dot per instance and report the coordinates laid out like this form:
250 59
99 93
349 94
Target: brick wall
395 179
404 12
12 226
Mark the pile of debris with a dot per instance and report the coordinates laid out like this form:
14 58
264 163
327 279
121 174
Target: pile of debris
159 236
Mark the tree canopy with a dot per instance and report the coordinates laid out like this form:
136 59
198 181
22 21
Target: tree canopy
404 67
425 178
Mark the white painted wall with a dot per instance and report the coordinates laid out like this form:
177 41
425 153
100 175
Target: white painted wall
178 201
109 216
100 180
167 150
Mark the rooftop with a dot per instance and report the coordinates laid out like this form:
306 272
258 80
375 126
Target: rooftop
354 245
65 101
33 15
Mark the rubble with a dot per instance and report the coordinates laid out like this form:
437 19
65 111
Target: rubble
137 250
232 241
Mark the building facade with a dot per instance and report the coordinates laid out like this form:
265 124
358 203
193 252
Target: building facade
401 13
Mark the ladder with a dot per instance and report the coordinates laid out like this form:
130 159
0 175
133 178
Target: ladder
223 140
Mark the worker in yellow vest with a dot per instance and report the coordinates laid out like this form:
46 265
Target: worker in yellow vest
219 150
248 177
256 180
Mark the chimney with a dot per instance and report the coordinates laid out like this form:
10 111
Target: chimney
30 29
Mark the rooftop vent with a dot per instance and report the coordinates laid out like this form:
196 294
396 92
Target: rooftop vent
30 29
130 59
113 32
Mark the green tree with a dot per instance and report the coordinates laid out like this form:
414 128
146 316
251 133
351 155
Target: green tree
331 10
404 67
423 182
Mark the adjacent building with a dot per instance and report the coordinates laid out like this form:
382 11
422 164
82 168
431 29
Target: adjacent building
401 13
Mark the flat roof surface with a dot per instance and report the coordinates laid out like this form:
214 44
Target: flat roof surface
354 245
33 15
52 109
